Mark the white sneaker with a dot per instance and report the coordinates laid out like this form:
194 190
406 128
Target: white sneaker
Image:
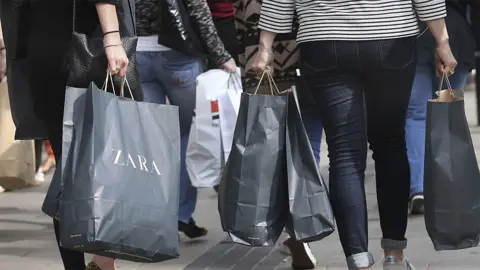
2 189
39 177
302 257
392 263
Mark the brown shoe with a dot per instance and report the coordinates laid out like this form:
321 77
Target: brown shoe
302 257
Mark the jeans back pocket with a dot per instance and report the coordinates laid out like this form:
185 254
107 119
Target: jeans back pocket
397 53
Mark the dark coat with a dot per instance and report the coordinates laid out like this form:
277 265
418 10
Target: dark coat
37 35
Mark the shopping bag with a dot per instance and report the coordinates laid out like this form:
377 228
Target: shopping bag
17 158
311 215
120 189
204 158
252 199
228 107
452 177
51 202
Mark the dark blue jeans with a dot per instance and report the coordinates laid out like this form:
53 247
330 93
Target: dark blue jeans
362 90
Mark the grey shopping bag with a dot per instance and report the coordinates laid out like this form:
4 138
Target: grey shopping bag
252 195
121 179
452 177
311 215
52 199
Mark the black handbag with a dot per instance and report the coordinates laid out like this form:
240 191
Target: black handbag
177 30
88 63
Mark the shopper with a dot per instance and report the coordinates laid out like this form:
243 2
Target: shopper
51 23
167 73
425 84
357 55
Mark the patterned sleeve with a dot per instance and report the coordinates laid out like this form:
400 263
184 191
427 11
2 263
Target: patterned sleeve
199 10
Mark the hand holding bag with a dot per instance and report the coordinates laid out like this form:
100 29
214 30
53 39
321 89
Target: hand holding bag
87 61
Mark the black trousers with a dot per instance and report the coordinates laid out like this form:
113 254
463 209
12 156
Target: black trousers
362 90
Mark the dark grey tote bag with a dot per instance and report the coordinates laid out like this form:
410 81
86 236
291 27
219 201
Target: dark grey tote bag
311 215
253 190
452 177
120 187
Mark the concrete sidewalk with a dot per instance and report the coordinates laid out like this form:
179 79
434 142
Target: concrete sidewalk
27 240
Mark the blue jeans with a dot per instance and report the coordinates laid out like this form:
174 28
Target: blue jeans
423 88
345 78
172 75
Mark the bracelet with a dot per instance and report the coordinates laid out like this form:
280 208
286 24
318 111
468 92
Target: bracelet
110 32
113 45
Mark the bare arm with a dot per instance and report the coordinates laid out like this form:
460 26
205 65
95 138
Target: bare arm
117 59
438 28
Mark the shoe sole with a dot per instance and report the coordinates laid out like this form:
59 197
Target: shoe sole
417 207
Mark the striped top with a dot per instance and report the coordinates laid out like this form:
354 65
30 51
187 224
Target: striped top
349 19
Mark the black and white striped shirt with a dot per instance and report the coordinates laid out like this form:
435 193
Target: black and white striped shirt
349 19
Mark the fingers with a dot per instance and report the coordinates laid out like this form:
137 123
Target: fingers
118 67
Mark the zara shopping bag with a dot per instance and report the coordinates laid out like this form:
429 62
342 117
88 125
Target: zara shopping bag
311 215
212 127
253 190
452 177
17 158
120 183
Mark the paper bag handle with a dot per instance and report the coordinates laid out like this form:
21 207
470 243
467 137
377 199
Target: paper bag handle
122 88
273 87
449 86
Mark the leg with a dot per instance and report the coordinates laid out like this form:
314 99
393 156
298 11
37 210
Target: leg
178 73
339 97
387 92
415 132
153 90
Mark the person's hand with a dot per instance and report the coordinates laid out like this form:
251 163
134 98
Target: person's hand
230 66
117 58
446 62
3 66
263 61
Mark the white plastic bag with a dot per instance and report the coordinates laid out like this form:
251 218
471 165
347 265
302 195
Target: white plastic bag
211 133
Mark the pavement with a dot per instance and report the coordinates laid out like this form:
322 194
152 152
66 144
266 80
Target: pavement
27 240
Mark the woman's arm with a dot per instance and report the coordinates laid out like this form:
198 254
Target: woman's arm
117 59
201 12
433 13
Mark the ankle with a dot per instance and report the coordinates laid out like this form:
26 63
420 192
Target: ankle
104 263
395 253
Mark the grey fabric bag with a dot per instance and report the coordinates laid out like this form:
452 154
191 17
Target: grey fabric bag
120 189
452 177
52 199
253 191
311 215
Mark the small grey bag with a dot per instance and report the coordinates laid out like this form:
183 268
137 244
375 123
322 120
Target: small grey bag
120 189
